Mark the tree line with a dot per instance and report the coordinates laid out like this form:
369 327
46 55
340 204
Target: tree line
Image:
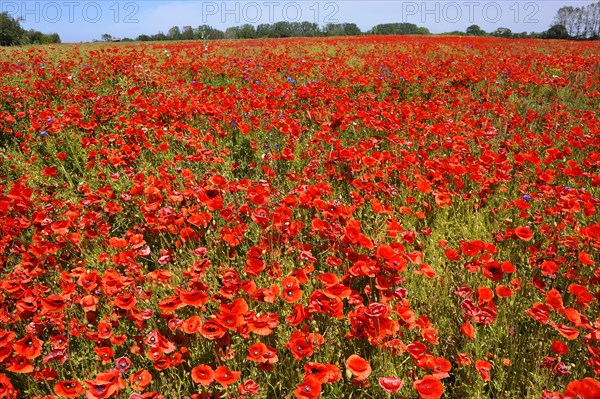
12 34
580 22
280 29
284 29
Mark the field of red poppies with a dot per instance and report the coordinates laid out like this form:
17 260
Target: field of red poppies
373 217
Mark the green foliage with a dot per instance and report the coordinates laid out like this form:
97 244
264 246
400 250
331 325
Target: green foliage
11 33
404 28
345 29
503 32
475 30
35 37
557 32
579 22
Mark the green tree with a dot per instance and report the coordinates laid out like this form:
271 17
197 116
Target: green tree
174 33
333 30
556 32
246 31
232 32
345 29
351 29
281 29
309 29
580 22
502 32
11 33
33 36
106 37
187 33
54 38
264 30
159 36
475 30
207 32
404 28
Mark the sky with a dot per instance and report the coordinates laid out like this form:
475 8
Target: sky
86 20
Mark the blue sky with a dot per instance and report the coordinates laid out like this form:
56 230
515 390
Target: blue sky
87 20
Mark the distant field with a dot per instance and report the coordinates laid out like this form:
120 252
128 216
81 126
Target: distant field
369 217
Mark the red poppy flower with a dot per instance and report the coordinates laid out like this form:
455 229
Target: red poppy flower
524 233
104 353
297 316
155 340
191 325
503 291
170 304
429 387
390 384
118 243
89 303
574 317
554 300
440 366
359 367
49 171
154 354
29 346
99 389
270 355
203 375
309 389
249 387
61 227
139 381
125 301
299 346
463 359
212 330
452 254
230 320
559 347
193 298
226 377
53 303
104 330
484 295
468 330
549 268
322 372
483 367
584 298
291 292
69 389
431 335
105 385
569 333
20 364
416 349
7 390
585 258
588 388
256 352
